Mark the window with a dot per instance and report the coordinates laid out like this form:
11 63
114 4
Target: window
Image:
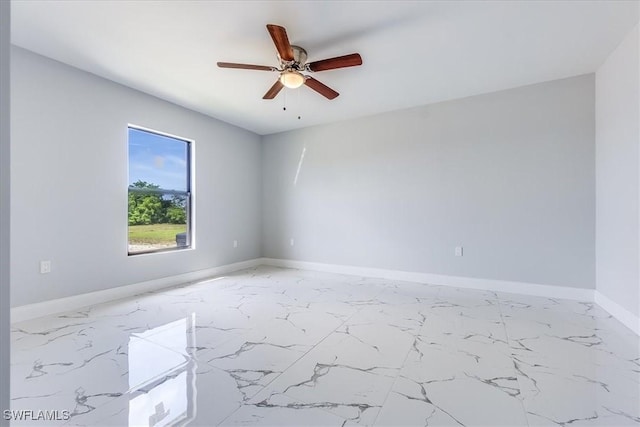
159 190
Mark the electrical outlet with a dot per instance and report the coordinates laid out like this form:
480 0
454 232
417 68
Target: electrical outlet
45 267
291 241
458 250
235 243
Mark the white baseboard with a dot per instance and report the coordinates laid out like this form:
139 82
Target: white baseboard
32 311
548 291
618 312
625 317
45 308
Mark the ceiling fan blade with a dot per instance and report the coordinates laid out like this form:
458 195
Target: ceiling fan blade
274 90
338 62
321 88
245 66
280 39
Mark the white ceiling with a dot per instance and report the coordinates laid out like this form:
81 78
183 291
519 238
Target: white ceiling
414 52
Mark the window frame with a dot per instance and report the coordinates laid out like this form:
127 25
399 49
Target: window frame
188 192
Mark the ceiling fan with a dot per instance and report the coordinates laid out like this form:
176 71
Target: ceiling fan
293 61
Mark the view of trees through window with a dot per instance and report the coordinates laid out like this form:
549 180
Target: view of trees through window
159 192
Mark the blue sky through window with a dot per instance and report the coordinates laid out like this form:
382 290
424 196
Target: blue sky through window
157 159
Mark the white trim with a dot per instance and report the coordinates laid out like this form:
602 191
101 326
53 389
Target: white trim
548 291
32 311
157 132
45 308
625 317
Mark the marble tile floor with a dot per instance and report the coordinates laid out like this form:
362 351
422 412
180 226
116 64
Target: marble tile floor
271 346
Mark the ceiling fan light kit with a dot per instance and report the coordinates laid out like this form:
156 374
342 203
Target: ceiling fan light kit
293 61
292 79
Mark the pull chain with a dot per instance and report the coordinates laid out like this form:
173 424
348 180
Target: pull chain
284 103
284 100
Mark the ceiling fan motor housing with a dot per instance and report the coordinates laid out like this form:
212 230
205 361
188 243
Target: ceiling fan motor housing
299 58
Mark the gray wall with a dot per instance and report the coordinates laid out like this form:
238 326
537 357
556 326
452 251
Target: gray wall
5 9
69 180
508 175
617 175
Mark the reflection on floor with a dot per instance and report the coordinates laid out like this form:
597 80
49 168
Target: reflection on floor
271 346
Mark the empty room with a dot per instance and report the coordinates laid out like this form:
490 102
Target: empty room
376 213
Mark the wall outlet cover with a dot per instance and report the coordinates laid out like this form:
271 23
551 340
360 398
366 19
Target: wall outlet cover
45 267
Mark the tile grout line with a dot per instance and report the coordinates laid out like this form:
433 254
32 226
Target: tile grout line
296 361
439 289
395 380
506 334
